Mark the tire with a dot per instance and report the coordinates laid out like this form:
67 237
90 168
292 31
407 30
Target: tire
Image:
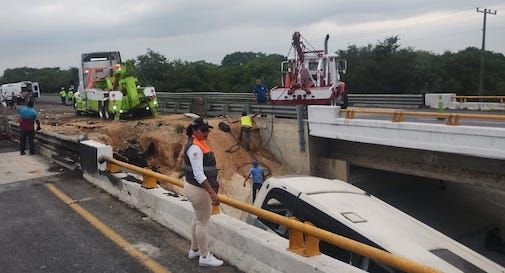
101 112
106 113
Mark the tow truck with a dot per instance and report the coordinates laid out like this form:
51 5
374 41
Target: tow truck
311 77
108 88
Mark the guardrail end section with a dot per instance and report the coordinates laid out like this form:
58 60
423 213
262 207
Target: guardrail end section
90 152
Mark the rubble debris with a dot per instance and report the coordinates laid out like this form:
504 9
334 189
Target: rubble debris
158 143
223 126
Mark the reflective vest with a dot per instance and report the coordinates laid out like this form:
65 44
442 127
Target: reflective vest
77 97
246 121
209 164
63 93
70 94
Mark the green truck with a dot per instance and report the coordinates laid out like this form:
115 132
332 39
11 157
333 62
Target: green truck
108 88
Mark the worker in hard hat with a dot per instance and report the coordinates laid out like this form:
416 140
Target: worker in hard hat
246 125
70 95
77 99
258 176
260 92
63 94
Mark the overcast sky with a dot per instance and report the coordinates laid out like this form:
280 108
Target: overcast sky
43 33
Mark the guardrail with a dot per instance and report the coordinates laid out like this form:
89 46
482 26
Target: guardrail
50 140
303 237
399 116
223 109
63 149
387 100
372 100
480 98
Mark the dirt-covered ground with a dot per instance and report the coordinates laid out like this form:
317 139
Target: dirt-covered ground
160 141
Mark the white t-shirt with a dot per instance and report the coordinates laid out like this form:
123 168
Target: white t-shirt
195 155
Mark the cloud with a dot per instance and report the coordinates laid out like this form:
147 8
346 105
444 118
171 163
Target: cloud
39 33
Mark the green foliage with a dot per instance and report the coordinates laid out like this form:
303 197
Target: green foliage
237 73
389 68
385 67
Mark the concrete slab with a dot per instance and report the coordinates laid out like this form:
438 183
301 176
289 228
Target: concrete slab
15 167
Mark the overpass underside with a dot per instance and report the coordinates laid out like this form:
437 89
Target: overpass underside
327 153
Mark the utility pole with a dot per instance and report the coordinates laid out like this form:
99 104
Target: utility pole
483 49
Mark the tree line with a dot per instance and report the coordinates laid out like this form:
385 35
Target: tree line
385 67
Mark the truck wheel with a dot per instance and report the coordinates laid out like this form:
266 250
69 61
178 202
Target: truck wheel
101 112
106 113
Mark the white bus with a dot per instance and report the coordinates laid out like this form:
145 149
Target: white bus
19 91
346 210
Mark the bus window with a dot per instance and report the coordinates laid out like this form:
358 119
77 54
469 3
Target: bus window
313 66
456 261
275 206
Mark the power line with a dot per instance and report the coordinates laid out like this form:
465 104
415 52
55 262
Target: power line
481 83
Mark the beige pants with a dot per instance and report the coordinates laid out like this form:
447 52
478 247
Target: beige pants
202 205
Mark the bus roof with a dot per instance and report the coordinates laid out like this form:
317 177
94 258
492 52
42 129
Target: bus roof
383 224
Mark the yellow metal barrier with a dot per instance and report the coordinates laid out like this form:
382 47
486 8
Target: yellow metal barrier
466 98
399 116
298 244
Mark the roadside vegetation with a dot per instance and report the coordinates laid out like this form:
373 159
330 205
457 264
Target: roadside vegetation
386 67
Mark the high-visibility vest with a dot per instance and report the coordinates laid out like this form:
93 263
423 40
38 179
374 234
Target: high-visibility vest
70 94
246 121
63 93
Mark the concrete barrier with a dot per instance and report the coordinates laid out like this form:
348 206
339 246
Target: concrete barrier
431 100
247 247
485 142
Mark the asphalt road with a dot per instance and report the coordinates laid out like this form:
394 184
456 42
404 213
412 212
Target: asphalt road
40 233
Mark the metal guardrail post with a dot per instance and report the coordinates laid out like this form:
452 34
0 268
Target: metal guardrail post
303 244
176 107
148 182
247 108
226 109
301 127
112 168
453 120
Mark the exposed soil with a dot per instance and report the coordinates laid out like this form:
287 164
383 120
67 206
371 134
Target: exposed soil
160 141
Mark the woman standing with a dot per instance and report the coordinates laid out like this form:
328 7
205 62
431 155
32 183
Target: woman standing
200 174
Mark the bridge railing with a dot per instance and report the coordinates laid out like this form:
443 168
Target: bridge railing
303 237
453 119
501 99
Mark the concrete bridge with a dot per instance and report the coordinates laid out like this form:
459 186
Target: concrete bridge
464 154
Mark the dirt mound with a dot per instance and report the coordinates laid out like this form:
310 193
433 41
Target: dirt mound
165 137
